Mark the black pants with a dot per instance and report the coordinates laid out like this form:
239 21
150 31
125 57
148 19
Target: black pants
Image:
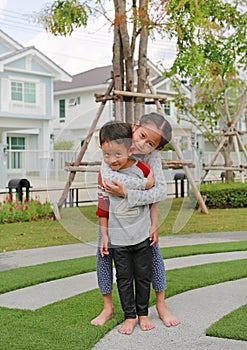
134 266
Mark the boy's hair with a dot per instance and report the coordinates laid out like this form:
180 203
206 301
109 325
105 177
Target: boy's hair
118 132
161 123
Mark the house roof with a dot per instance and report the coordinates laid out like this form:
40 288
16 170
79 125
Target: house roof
10 41
19 51
99 76
96 76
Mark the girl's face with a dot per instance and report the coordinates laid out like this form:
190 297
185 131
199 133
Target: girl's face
146 138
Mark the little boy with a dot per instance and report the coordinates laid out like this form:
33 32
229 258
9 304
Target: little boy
126 229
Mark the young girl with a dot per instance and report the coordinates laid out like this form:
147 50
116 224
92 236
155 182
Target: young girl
149 135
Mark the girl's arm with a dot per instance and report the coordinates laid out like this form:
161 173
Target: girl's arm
155 194
108 177
136 197
103 213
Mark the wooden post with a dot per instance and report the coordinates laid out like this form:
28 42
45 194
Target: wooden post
198 195
83 150
214 157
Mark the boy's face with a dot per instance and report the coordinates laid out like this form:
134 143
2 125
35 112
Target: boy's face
146 138
115 155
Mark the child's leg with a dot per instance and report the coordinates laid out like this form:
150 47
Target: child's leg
125 274
105 281
159 285
142 257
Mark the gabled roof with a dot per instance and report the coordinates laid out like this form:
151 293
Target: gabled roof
17 52
11 43
93 77
96 76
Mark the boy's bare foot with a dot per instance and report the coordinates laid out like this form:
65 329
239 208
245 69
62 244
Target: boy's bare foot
145 323
128 326
166 316
104 316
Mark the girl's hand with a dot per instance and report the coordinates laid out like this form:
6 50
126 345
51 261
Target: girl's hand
153 237
116 188
150 181
104 247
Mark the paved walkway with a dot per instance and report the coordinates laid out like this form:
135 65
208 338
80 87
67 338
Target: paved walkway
196 309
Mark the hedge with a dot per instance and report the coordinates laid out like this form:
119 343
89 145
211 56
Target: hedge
225 195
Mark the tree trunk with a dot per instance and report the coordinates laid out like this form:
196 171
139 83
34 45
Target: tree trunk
128 56
117 64
142 61
226 151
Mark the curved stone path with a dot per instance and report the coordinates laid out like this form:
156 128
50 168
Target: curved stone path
197 309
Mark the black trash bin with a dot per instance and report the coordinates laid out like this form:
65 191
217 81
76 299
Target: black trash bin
223 175
18 185
179 177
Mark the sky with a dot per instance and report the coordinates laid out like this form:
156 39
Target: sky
85 49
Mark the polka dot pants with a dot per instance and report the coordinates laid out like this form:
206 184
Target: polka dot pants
105 271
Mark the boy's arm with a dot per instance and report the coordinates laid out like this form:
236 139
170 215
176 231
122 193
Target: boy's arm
154 224
103 222
103 214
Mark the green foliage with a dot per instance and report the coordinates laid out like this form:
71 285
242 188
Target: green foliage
16 211
226 195
168 147
63 16
63 145
212 47
211 37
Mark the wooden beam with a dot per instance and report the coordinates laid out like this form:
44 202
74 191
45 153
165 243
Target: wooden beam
180 156
215 167
83 169
139 94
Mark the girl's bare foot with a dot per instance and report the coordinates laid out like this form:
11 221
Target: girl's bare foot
128 326
166 316
104 316
145 323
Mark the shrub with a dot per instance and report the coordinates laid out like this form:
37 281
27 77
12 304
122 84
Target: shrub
63 145
225 195
16 211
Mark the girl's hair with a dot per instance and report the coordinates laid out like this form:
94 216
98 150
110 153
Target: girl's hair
161 123
118 132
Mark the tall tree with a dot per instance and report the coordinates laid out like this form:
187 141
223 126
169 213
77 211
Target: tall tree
133 22
212 51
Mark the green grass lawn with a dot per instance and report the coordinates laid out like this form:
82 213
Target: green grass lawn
31 275
66 324
80 225
45 328
231 326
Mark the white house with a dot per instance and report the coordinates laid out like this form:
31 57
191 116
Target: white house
27 78
41 104
75 106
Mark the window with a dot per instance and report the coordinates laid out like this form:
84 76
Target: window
15 158
23 92
61 111
74 101
167 108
